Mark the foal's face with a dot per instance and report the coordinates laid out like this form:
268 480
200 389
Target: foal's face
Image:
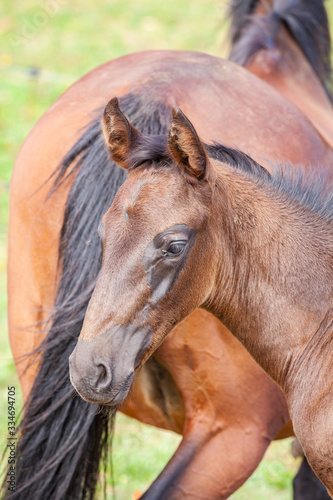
157 257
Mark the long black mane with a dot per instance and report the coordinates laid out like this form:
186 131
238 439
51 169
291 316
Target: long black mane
62 439
306 21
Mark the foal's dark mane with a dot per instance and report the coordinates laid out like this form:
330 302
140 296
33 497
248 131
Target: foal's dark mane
305 187
306 21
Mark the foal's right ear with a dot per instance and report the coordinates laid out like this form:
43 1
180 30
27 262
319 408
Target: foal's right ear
185 146
120 136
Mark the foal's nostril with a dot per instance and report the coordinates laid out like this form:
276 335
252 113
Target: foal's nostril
104 376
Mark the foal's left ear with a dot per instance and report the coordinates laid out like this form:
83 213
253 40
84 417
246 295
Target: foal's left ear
185 145
120 136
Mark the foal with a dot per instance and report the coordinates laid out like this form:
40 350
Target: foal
198 225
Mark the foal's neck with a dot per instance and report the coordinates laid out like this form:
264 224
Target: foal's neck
274 279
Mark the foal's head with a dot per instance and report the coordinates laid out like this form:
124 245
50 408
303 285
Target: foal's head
158 253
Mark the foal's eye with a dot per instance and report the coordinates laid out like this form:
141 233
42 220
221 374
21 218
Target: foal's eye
175 248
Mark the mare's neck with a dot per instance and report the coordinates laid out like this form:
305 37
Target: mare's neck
274 279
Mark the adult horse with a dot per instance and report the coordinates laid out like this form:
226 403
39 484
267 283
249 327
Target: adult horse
254 249
210 418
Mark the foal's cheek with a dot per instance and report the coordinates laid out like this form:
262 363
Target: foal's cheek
163 272
162 277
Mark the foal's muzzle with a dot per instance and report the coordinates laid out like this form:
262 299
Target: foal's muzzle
94 380
102 370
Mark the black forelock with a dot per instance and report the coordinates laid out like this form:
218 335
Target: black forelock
151 148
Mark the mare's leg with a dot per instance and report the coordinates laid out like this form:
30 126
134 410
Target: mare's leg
233 411
307 486
311 408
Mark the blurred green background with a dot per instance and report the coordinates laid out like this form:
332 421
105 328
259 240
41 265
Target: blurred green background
46 46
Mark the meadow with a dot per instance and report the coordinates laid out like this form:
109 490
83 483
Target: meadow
45 47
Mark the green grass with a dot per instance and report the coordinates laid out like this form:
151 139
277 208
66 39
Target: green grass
140 453
43 51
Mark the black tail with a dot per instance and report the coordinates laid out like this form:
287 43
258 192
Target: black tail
306 21
62 438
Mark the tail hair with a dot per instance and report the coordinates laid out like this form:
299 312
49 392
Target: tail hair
305 20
